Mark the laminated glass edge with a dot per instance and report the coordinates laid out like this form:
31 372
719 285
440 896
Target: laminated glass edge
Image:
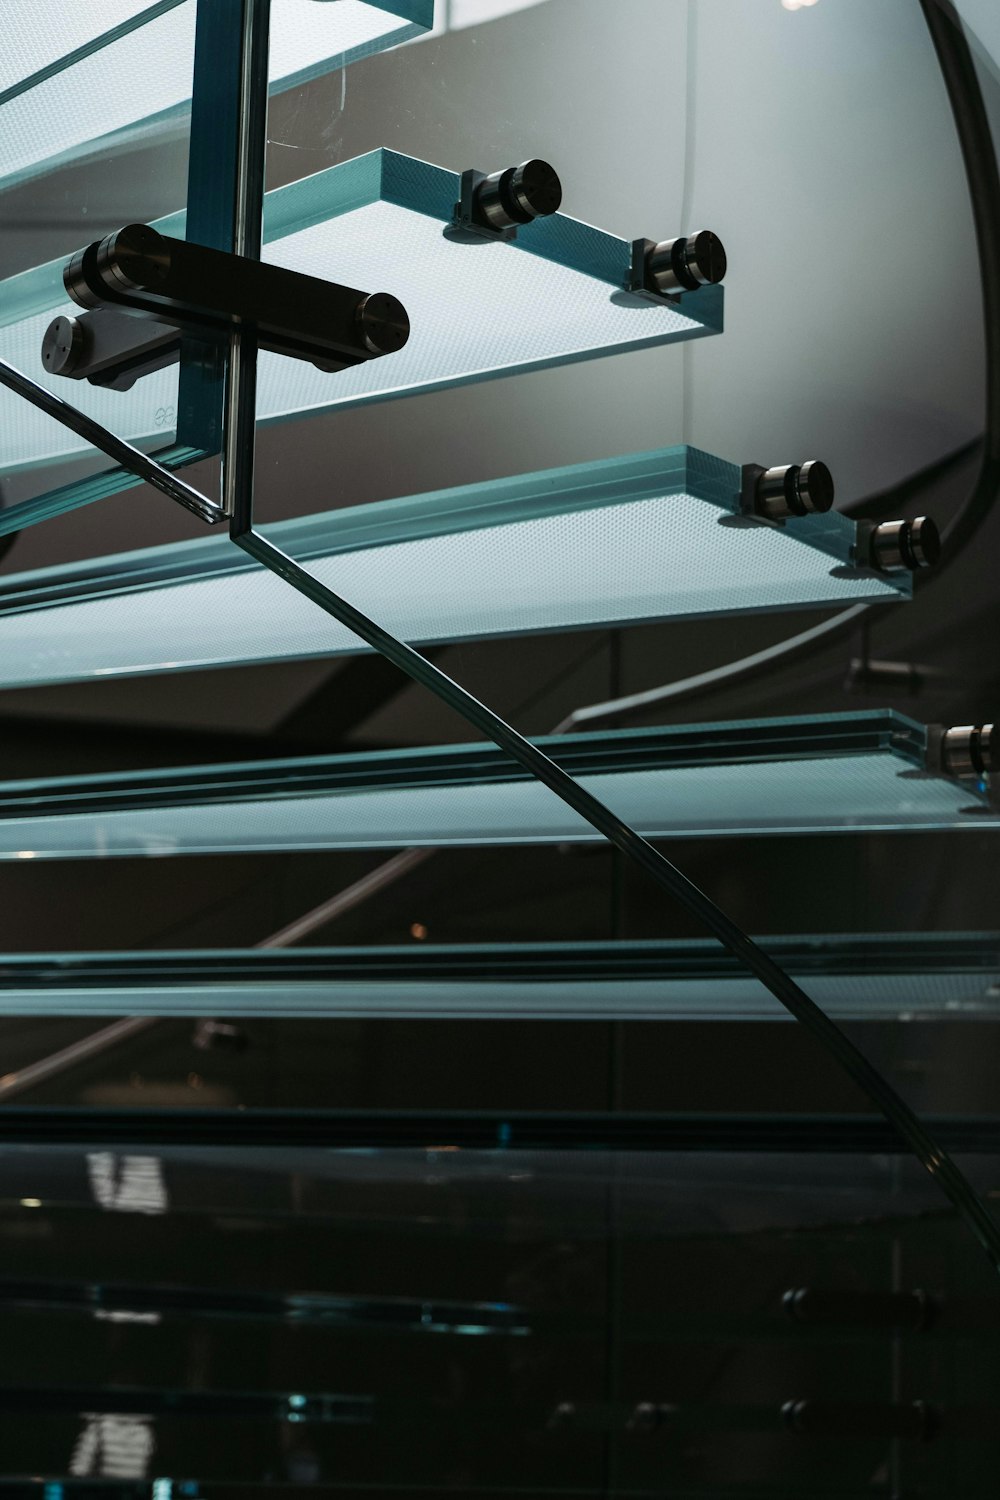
514 498
604 753
86 491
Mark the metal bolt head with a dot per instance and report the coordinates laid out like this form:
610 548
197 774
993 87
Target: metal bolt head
517 195
794 490
814 486
686 263
968 750
905 544
705 257
385 326
136 258
63 346
535 188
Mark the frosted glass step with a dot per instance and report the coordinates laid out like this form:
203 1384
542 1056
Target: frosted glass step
895 977
477 309
649 536
824 774
77 80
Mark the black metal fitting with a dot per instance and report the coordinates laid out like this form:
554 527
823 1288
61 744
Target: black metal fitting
671 267
142 290
648 1416
892 546
495 205
882 1310
786 490
915 1420
686 263
108 347
517 195
967 750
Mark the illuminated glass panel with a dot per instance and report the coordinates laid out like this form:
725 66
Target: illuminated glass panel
646 537
871 977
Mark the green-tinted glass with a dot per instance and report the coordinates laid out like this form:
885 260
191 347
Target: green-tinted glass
857 978
648 536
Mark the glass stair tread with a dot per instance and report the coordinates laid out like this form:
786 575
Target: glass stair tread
640 538
867 977
477 309
819 774
85 79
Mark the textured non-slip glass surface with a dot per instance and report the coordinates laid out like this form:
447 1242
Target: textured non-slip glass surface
833 773
96 75
619 542
855 979
377 223
477 1321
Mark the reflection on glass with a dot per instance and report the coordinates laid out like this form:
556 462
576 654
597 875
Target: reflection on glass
127 1184
114 1446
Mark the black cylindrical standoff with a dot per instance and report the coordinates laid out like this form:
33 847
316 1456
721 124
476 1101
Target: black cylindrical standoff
64 346
968 750
687 263
905 544
794 490
136 258
384 324
517 195
864 1309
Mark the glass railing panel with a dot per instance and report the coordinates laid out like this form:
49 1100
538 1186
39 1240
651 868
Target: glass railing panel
640 538
863 772
852 978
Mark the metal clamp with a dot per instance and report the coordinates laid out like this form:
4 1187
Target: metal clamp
142 290
667 268
895 546
786 490
965 751
494 205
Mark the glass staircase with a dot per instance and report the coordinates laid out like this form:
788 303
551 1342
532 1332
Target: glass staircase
866 772
259 1254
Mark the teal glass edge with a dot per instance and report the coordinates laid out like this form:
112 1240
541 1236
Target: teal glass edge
880 977
971 952
871 731
548 492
